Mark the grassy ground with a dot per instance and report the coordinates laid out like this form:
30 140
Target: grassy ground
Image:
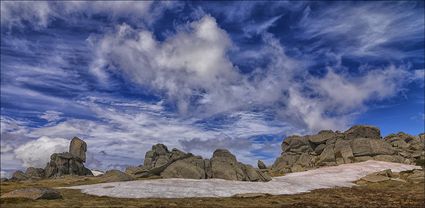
385 194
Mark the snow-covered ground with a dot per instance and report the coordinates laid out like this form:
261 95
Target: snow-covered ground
326 177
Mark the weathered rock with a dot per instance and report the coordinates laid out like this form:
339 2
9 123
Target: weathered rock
363 158
380 147
261 165
389 158
361 147
225 166
158 156
65 164
296 144
19 176
370 147
115 176
328 156
361 131
343 151
400 144
131 170
33 193
178 164
357 144
304 160
285 161
78 149
375 178
322 137
319 149
191 167
418 176
35 173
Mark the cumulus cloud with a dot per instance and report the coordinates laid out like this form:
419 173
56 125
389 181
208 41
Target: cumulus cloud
183 66
193 70
37 153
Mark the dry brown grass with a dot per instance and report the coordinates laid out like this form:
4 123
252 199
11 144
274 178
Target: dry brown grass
386 194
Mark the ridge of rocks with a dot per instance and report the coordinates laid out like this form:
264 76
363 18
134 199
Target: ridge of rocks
177 164
357 144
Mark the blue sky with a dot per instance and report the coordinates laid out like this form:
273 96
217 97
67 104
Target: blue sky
203 75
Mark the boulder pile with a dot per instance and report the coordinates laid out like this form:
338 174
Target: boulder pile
177 164
357 144
66 163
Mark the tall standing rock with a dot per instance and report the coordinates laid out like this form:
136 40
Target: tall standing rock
69 163
78 148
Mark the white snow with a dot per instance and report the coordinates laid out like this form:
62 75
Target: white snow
326 177
97 172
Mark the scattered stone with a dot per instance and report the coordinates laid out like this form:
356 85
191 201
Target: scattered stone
33 193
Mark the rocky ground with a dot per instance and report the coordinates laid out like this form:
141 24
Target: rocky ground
299 154
389 193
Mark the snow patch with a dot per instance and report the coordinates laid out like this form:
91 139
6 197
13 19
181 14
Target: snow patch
326 177
97 172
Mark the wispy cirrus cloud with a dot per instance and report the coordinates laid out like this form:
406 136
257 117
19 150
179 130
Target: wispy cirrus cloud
366 29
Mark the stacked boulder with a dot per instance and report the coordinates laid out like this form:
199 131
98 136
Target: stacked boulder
357 144
66 163
69 163
177 164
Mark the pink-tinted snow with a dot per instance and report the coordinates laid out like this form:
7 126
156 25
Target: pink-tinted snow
326 177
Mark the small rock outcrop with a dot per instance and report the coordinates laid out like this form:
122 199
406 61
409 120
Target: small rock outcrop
66 163
33 193
357 144
19 176
409 176
261 165
115 176
177 164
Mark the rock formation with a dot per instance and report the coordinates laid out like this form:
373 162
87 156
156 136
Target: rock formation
357 144
261 165
177 164
33 193
66 163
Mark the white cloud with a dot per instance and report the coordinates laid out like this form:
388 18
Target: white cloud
39 14
37 153
51 116
365 29
15 13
